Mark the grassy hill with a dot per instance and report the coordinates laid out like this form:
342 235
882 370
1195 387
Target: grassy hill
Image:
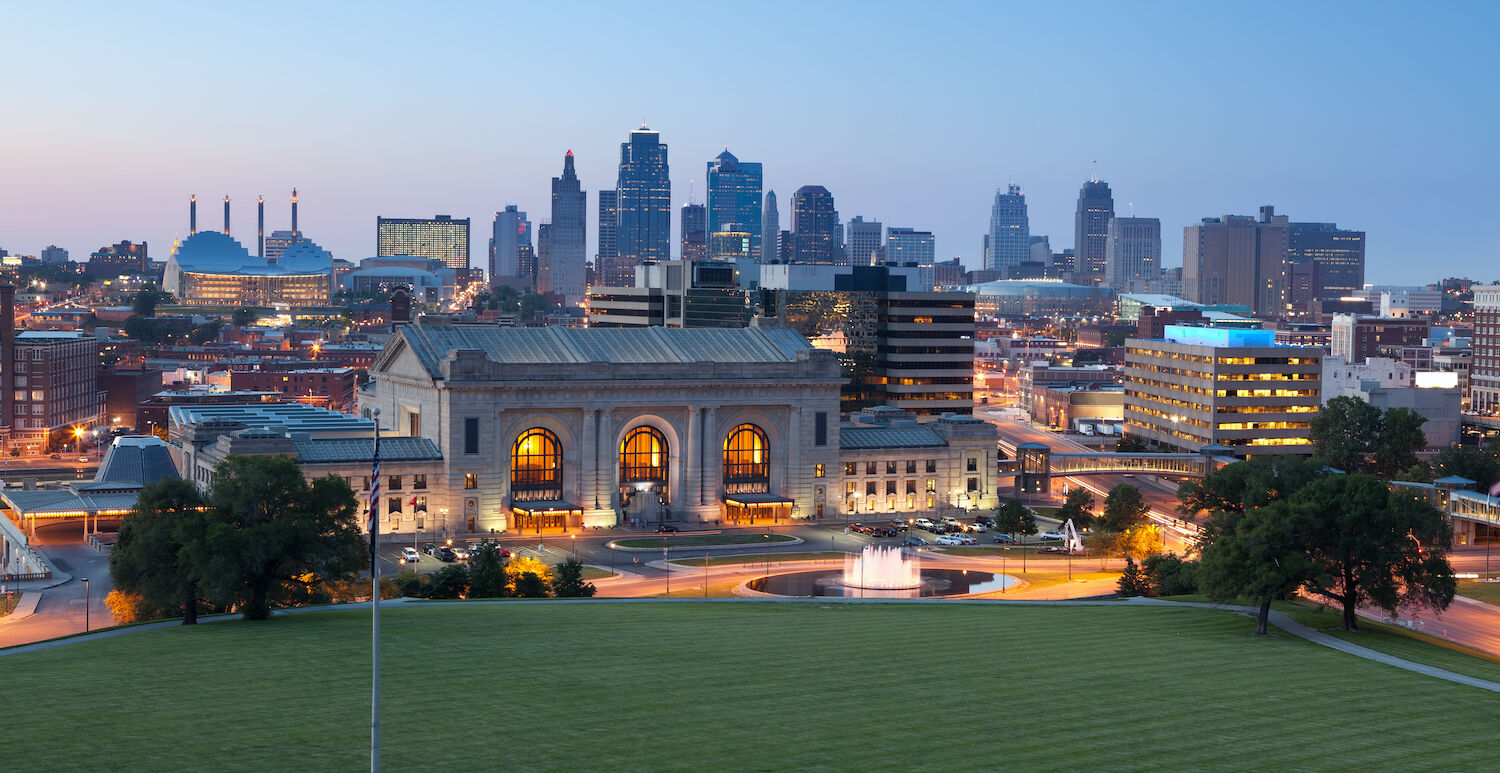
734 687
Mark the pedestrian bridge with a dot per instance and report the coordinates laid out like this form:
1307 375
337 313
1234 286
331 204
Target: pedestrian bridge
1035 464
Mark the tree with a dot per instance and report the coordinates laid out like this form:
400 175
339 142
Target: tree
1015 519
1475 464
146 300
486 572
1078 507
270 534
1373 545
1256 554
1421 472
1124 509
243 316
527 577
202 334
1141 541
450 582
1401 437
1130 444
1132 580
147 330
1242 485
149 559
569 582
1344 431
1170 575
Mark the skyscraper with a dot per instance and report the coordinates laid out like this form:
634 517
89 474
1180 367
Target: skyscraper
1132 254
862 239
1237 259
906 245
1337 255
511 232
695 232
561 271
440 238
734 199
1091 226
645 200
770 234
815 226
609 217
1010 231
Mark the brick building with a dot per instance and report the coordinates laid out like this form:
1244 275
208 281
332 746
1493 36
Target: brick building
54 390
331 388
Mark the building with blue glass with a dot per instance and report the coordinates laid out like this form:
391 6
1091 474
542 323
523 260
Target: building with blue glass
644 201
734 201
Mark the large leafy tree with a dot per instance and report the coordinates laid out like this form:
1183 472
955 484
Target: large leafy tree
486 571
1344 433
1124 509
1078 507
569 582
149 561
1401 437
1373 545
1257 554
270 533
1243 485
1476 464
1015 519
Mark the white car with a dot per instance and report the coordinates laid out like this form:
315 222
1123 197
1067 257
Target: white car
966 539
922 523
1050 535
977 528
949 539
950 521
409 554
460 552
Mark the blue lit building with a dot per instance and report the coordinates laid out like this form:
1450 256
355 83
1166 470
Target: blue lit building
644 200
734 201
1010 231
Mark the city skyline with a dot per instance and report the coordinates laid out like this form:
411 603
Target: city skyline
1174 145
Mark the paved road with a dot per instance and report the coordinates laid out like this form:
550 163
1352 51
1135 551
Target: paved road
61 609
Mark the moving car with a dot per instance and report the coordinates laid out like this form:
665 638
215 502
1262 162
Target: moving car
409 554
666 528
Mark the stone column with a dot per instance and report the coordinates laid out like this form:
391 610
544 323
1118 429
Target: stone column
604 450
692 454
708 459
793 453
588 453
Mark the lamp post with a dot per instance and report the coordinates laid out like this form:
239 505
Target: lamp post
575 546
668 567
375 599
85 605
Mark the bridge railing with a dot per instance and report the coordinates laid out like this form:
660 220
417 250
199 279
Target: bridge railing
1170 464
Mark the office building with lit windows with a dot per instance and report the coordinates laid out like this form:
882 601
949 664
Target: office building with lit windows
212 269
441 237
1197 387
734 204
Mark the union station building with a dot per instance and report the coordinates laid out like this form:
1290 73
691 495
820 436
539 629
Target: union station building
558 428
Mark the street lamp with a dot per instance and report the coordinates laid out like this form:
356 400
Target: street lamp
575 546
85 605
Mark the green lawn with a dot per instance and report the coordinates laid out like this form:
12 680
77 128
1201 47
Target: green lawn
741 686
701 540
8 602
1488 592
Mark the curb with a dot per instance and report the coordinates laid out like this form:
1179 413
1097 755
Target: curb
740 546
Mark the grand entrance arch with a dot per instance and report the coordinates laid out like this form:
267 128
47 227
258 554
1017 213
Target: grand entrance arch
645 472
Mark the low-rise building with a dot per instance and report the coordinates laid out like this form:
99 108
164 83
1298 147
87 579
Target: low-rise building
895 467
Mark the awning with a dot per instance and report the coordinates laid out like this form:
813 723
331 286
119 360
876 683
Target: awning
757 499
545 507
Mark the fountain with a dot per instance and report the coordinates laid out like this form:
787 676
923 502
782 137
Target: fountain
882 567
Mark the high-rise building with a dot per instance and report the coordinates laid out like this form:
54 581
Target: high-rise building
562 269
1199 386
695 241
121 258
1236 259
770 235
645 200
54 254
1338 256
862 239
441 238
815 227
1484 372
512 232
1091 226
543 253
734 202
609 217
907 245
1132 256
1041 250
1010 230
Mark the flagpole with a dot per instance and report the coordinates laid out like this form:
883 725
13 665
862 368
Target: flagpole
374 507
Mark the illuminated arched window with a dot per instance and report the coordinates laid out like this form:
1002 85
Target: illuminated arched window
747 455
643 456
536 465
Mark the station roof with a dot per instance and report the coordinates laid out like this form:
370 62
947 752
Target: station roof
889 437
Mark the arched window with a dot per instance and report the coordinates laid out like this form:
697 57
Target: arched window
536 466
747 457
643 456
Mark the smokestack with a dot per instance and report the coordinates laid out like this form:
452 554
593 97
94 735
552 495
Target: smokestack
294 214
260 226
192 214
226 214
7 353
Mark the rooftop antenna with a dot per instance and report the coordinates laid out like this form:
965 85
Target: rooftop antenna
690 187
1094 172
1132 209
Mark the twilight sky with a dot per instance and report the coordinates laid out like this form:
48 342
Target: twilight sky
1378 116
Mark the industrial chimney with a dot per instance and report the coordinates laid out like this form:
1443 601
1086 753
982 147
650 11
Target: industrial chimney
226 214
260 226
294 214
7 353
192 214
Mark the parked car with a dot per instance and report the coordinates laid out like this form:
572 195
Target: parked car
922 523
965 539
1005 539
949 539
938 528
446 554
57 456
952 522
409 554
1051 535
984 519
899 526
882 531
913 542
83 458
430 548
461 553
666 528
977 528
859 528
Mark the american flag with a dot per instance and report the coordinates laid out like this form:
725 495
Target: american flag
374 505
